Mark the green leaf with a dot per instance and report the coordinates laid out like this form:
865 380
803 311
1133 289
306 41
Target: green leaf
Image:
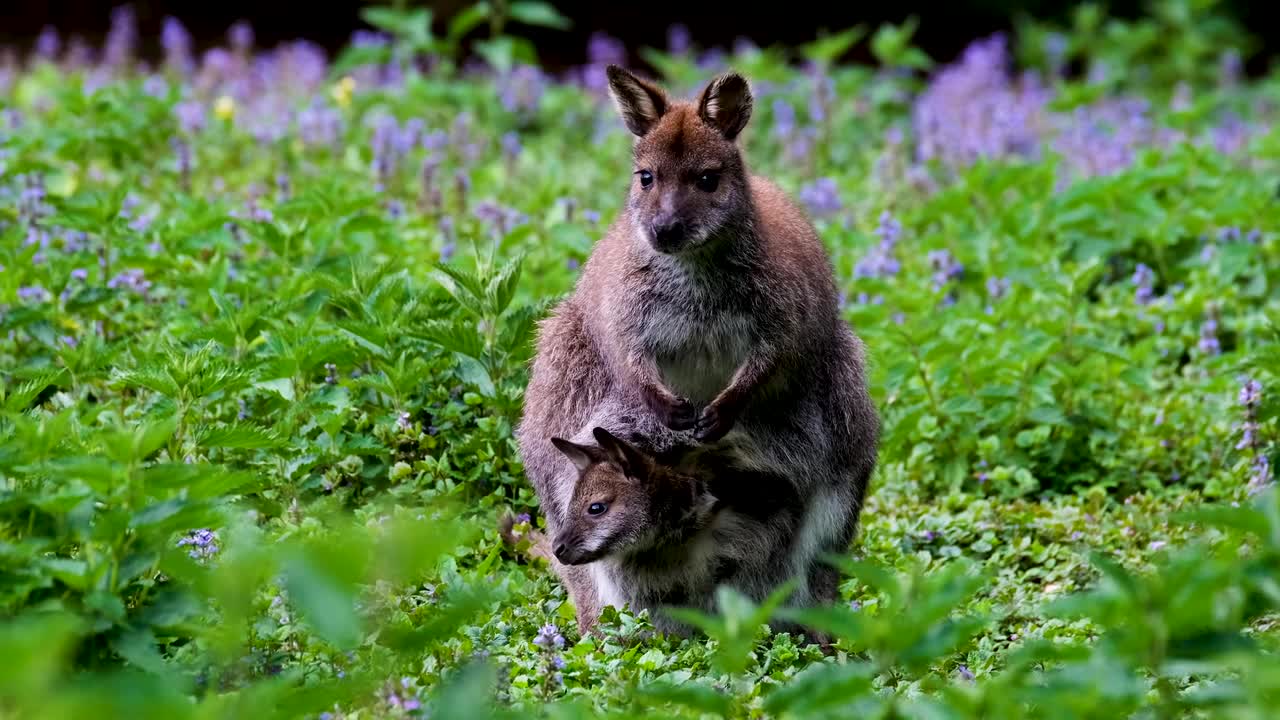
241 436
473 373
690 695
467 289
456 336
827 49
821 688
280 386
539 14
502 288
325 598
467 20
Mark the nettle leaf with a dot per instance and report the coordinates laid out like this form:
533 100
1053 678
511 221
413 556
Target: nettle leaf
455 336
19 398
242 436
467 289
821 688
502 288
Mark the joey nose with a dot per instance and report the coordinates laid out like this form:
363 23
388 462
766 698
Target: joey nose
668 236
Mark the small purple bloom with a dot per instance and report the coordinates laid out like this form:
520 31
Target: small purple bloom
1208 343
48 43
403 421
679 40
203 543
511 145
240 35
965 672
1143 278
331 373
523 518
34 294
822 197
548 637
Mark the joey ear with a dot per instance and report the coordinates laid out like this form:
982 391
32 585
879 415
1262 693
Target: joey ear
633 462
639 102
726 104
581 456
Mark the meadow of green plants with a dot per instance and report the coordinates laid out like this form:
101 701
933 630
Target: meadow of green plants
265 319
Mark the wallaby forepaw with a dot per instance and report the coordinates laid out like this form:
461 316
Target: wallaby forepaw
712 425
676 413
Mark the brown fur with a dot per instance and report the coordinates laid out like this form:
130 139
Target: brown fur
728 326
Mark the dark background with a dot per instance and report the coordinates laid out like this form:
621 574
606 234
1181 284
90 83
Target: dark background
945 28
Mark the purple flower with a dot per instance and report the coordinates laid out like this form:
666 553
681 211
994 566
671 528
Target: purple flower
520 91
603 49
784 118
880 261
511 145
243 411
548 637
822 197
1143 278
122 37
176 42
331 373
133 280
591 217
203 543
854 605
965 672
1251 393
48 43
945 268
34 294
240 35
523 518
997 288
403 421
1208 343
679 40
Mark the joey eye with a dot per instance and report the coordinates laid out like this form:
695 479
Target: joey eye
708 181
646 178
597 508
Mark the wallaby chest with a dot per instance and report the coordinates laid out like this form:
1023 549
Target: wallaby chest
698 331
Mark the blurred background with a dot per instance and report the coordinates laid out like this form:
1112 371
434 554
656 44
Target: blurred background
945 27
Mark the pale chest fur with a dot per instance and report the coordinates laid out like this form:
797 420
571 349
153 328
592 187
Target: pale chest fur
697 339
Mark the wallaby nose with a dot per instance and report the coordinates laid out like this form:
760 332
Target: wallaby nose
668 236
562 551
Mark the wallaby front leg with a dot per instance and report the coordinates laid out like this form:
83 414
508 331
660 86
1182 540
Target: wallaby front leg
672 410
718 418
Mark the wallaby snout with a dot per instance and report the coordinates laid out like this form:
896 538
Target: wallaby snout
668 236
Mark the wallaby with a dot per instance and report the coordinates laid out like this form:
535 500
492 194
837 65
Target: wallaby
651 535
711 298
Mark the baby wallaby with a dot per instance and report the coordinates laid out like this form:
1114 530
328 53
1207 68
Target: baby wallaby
627 510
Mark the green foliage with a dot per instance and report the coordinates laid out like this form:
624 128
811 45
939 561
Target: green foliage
253 442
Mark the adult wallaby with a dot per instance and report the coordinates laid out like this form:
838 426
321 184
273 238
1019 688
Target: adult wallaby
712 299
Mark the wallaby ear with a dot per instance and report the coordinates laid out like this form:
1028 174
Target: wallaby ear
726 104
633 462
581 456
640 102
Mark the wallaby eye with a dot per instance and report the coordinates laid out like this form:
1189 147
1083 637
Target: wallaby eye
708 181
597 508
646 178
